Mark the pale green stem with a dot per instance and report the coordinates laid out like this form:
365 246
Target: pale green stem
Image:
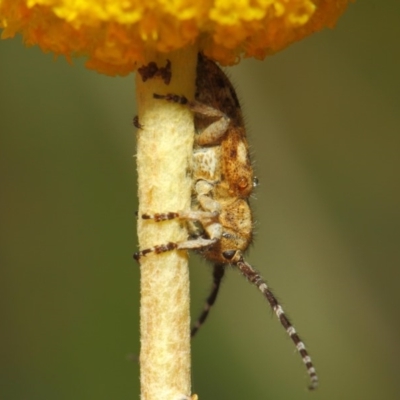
164 154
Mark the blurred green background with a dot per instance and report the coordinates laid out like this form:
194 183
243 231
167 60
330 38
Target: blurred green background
324 123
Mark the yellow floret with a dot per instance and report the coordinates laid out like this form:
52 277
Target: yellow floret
113 34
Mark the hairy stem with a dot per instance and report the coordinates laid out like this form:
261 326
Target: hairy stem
164 153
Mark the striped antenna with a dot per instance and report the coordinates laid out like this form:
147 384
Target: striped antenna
254 277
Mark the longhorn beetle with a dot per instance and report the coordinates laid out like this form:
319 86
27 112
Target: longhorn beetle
220 220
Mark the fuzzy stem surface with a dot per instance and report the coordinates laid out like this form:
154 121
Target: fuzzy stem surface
164 154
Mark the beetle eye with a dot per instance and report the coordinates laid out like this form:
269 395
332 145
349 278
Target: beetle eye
229 254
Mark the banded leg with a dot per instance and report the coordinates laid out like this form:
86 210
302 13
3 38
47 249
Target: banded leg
252 275
211 134
192 244
218 273
205 217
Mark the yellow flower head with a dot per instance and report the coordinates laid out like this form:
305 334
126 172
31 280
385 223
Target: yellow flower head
113 34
